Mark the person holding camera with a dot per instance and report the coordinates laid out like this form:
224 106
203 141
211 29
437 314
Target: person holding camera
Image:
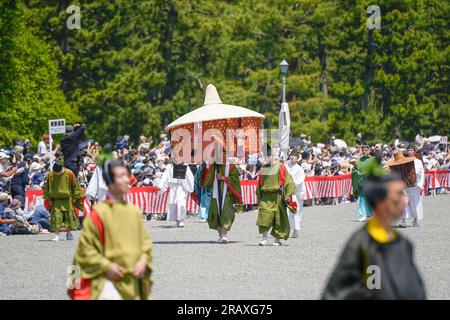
7 171
70 147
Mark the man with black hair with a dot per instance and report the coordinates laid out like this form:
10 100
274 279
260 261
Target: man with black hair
114 252
70 146
62 194
377 262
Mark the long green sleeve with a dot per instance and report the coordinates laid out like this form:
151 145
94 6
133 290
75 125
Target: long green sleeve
89 254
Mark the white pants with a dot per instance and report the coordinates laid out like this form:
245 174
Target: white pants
295 219
414 207
176 211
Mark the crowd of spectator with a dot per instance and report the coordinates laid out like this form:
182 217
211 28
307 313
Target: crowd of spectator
22 169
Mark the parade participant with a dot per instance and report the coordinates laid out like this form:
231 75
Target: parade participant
370 262
358 174
411 170
180 181
275 194
223 181
201 194
62 194
298 175
114 252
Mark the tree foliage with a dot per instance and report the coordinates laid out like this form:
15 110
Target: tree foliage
30 91
135 66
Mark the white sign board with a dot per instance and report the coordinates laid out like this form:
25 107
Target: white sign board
444 140
57 126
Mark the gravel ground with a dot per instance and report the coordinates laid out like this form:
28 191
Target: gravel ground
189 265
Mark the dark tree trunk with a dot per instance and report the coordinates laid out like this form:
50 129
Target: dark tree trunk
171 20
370 69
323 65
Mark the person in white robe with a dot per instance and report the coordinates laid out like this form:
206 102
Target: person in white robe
97 188
298 175
414 207
178 192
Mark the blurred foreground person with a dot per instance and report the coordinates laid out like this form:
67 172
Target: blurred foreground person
62 194
377 262
114 252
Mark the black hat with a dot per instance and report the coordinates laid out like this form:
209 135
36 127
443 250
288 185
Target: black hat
69 129
295 152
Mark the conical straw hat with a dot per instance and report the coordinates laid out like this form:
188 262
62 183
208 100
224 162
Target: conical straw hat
399 159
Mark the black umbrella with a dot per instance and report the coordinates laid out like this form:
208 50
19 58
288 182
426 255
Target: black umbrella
293 142
428 146
84 144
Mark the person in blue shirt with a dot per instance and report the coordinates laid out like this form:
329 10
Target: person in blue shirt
19 181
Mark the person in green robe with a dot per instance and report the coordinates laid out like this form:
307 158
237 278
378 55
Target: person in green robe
275 193
226 197
62 194
114 252
358 175
377 262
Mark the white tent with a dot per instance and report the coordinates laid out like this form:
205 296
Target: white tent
213 109
434 139
341 144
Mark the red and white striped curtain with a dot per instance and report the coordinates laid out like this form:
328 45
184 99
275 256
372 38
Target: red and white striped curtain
148 199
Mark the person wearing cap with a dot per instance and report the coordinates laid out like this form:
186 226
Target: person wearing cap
6 173
276 195
42 146
62 194
411 170
5 221
298 175
18 221
358 175
20 180
4 201
377 263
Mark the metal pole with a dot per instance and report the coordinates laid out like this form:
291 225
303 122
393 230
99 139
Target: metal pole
50 149
284 90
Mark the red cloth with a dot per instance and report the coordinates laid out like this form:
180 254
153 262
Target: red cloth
133 180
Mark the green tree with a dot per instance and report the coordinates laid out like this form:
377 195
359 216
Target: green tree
29 87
